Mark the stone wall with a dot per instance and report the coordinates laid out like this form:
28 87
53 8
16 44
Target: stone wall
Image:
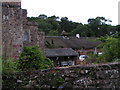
105 76
35 37
14 25
11 28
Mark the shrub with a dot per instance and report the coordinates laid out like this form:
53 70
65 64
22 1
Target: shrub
32 58
110 49
9 67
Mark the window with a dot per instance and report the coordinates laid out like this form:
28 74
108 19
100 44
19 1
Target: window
5 17
26 36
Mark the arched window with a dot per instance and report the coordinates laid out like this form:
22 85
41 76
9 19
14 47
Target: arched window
26 36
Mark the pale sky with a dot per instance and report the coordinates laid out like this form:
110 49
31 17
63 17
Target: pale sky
75 10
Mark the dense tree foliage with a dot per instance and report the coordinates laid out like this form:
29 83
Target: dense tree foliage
54 25
110 48
31 58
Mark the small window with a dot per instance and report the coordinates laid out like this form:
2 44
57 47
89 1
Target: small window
26 36
5 17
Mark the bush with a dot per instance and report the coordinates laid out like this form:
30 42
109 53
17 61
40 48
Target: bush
32 58
110 49
9 67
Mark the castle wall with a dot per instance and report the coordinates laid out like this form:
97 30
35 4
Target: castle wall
12 31
0 31
14 26
35 38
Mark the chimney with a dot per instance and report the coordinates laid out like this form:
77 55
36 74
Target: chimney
77 35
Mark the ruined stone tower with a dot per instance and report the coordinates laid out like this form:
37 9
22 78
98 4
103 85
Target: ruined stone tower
17 32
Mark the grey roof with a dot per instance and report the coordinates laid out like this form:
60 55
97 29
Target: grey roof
73 42
60 52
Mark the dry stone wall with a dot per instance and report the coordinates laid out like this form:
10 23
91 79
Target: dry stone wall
94 76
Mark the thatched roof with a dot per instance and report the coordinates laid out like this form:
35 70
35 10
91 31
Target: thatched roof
73 42
57 52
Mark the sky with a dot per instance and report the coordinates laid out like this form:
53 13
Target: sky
75 10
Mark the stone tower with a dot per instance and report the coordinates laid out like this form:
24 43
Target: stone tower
12 29
17 31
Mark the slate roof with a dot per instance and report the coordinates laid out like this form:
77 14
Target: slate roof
60 52
73 42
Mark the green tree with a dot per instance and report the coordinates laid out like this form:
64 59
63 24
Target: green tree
32 58
98 26
53 33
67 25
42 16
82 30
44 26
110 49
53 21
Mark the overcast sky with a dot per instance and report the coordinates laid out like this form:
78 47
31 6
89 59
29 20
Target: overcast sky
75 10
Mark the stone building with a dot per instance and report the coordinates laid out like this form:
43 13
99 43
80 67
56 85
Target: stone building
17 31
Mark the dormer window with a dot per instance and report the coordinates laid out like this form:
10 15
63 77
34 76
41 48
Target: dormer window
26 36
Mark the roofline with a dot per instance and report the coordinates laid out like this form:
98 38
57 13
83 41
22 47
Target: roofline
63 56
72 36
